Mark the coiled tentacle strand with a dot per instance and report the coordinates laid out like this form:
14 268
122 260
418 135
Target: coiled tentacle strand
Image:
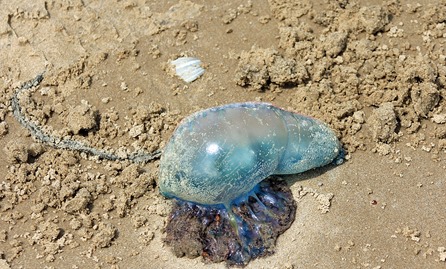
69 144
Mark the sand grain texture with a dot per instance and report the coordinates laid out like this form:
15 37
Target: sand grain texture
374 71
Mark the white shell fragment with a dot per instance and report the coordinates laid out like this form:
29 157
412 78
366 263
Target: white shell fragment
188 68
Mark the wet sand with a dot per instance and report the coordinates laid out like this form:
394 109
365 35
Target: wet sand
374 71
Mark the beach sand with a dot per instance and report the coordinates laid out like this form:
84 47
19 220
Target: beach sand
374 71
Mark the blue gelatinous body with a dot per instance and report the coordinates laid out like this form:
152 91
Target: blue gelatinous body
220 154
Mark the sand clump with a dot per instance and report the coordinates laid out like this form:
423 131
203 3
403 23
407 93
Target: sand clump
259 68
383 123
82 118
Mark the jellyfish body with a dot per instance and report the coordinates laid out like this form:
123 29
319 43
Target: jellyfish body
219 154
215 162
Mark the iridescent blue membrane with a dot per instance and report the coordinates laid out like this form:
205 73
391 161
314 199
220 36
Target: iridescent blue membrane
214 165
220 154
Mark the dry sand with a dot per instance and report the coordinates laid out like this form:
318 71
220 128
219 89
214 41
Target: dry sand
374 71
